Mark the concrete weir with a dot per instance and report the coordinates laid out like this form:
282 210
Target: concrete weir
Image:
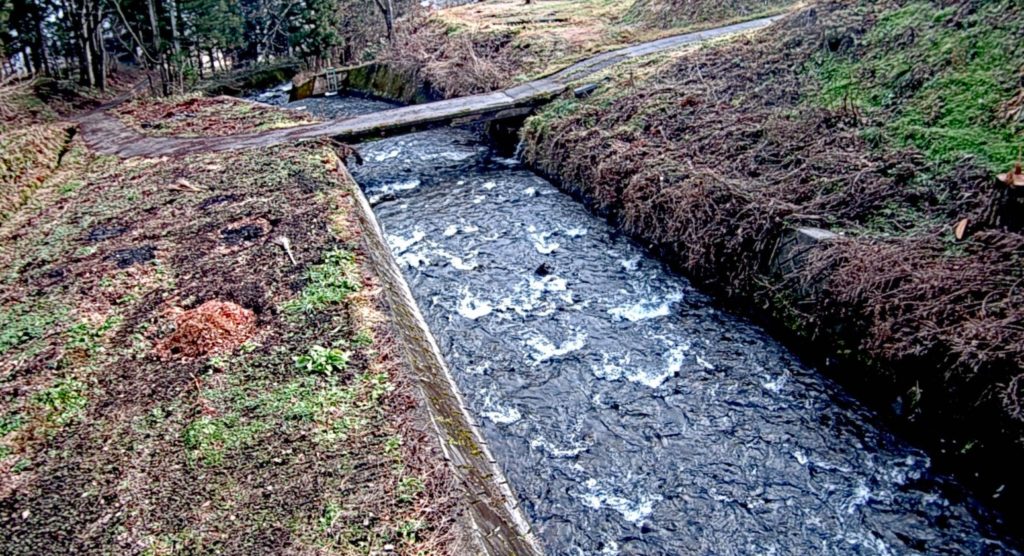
497 524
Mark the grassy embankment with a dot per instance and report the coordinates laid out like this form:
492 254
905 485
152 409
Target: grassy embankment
171 383
493 44
885 121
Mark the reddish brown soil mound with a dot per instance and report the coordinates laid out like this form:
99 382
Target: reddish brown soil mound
210 327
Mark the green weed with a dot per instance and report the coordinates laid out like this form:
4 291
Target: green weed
86 338
23 323
329 283
209 439
409 530
409 488
379 385
62 402
323 360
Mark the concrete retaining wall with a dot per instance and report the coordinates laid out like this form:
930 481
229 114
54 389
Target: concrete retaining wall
498 524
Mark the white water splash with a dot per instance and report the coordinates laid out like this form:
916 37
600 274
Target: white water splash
544 349
451 230
610 370
631 264
646 309
574 449
654 379
457 262
412 260
775 384
489 185
390 188
633 511
399 244
385 155
541 244
575 232
472 307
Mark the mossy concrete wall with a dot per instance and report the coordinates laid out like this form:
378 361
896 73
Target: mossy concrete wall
376 79
498 526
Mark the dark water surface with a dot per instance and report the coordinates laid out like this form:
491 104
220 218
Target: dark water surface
630 415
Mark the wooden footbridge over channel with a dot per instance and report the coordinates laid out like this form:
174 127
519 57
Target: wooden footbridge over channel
106 134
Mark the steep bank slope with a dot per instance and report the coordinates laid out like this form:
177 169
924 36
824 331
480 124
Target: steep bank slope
885 121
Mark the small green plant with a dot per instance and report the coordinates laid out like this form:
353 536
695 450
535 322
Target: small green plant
62 402
323 360
408 489
218 362
409 530
392 445
86 338
21 323
379 385
363 338
329 283
330 516
208 438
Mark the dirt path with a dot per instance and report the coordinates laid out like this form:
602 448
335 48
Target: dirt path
108 135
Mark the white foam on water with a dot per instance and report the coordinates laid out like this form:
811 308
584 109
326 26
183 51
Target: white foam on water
530 192
472 307
457 262
861 496
489 185
574 449
400 244
390 188
633 511
480 369
385 155
775 384
540 242
544 349
575 232
610 370
478 199
800 457
412 260
631 264
654 379
549 283
704 363
452 229
646 309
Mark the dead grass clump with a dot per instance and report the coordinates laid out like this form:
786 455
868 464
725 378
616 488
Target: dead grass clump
214 326
456 65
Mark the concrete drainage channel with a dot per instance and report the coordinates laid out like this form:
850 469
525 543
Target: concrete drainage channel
498 525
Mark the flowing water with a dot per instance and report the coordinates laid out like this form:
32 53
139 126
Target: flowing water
630 415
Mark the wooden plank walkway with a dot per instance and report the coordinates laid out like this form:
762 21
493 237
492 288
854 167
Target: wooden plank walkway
106 134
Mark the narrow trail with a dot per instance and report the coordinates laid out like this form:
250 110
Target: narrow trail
108 135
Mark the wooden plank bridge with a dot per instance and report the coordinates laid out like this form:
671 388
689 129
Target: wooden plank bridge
106 134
